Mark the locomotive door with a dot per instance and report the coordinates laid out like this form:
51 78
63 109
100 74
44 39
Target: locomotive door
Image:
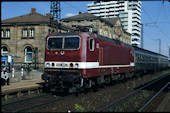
100 61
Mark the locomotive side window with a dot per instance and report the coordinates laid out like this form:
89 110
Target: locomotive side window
91 44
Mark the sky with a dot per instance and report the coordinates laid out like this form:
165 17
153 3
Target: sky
155 16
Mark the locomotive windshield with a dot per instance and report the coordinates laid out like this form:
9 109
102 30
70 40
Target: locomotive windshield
64 43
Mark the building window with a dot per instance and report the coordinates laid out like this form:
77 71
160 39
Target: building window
49 31
105 33
100 30
25 32
2 33
28 54
7 33
32 32
4 50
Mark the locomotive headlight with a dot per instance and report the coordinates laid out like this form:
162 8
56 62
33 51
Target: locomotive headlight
47 65
76 65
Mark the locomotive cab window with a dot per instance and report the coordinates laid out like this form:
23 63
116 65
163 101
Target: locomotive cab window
91 44
71 43
63 43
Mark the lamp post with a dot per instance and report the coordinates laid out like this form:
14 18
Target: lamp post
35 53
169 51
159 45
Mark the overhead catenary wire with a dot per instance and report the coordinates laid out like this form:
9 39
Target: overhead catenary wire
154 22
158 27
77 8
165 13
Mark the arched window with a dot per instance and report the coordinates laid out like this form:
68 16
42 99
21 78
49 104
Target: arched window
4 50
28 54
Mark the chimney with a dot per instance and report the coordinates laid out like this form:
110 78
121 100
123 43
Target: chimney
33 10
48 15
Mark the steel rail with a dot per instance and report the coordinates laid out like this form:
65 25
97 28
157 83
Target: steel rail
25 99
40 104
153 97
107 106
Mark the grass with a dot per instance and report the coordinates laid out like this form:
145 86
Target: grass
132 103
133 85
79 108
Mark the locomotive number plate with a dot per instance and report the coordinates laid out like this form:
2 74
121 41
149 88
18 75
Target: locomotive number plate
61 65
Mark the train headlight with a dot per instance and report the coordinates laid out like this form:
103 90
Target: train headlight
76 65
47 65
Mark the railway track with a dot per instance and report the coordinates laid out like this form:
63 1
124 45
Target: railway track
138 99
152 103
30 103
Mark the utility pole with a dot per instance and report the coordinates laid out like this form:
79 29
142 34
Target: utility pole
55 15
141 35
159 46
169 51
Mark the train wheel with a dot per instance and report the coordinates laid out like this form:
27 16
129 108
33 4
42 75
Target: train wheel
86 90
46 89
95 88
65 92
107 80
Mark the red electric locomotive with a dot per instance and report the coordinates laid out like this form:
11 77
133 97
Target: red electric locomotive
84 59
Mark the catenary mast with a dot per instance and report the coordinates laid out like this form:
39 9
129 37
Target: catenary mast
55 15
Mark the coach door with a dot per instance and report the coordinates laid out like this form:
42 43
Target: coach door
101 60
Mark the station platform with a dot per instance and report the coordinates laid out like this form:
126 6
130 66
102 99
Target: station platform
23 85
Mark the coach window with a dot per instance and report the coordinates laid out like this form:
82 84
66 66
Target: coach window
28 54
91 44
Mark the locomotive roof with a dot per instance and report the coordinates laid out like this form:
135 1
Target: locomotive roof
108 39
97 35
67 33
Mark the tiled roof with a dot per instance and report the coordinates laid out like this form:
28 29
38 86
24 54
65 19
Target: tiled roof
32 18
88 16
112 20
84 16
28 18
